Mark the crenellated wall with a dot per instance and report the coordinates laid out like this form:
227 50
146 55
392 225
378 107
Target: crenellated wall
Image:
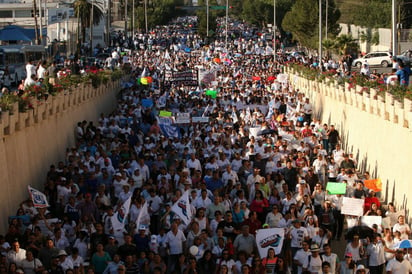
31 141
376 129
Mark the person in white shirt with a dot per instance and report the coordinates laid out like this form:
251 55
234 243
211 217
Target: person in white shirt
194 163
16 254
313 262
229 174
331 258
402 227
376 254
31 265
300 257
65 262
175 242
41 70
399 265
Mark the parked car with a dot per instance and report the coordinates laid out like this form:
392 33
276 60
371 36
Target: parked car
378 58
405 57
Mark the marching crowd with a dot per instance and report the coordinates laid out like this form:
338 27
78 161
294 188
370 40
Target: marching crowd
261 161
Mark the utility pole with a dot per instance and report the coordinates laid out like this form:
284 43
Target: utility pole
36 26
109 18
91 29
326 20
125 18
133 19
274 30
320 35
394 32
145 15
207 18
41 23
227 22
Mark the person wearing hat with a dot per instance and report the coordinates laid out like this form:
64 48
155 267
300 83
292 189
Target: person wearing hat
313 263
297 234
141 240
64 261
399 265
347 266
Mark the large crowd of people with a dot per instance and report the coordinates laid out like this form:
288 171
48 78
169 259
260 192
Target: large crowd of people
261 160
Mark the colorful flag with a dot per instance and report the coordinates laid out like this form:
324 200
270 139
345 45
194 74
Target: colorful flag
375 184
143 218
120 216
39 198
182 208
336 188
269 238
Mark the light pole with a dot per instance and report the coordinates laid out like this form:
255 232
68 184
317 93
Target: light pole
227 21
326 20
91 29
394 33
145 14
125 18
207 18
274 30
320 34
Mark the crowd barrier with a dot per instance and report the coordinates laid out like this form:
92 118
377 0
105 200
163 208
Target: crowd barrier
32 140
373 125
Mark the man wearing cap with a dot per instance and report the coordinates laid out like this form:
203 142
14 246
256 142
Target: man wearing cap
399 265
313 262
298 234
141 240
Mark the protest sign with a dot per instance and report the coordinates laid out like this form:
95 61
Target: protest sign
352 206
269 238
336 188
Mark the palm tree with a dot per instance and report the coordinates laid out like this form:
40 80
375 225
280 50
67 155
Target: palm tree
345 44
83 11
328 45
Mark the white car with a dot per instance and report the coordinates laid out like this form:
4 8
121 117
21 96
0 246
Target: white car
378 58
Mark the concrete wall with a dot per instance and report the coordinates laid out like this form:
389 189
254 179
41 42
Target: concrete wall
31 141
376 129
385 38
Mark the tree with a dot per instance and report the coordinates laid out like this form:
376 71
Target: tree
158 12
328 45
83 11
346 44
257 12
373 14
202 17
303 21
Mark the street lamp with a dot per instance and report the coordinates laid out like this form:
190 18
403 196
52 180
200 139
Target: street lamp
394 33
274 30
227 21
320 34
